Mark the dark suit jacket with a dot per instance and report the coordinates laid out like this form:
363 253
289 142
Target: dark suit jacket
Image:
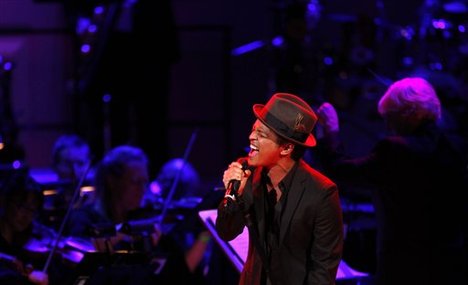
311 229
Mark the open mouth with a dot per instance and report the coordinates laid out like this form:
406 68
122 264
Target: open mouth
253 151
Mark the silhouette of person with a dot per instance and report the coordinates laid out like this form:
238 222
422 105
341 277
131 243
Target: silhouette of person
417 173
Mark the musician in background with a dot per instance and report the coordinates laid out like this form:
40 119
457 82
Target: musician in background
71 162
178 187
71 156
20 202
186 190
121 179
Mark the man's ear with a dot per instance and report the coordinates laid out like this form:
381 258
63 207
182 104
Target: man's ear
287 148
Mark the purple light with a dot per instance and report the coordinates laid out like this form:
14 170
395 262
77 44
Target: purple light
92 29
85 48
106 98
407 33
277 41
461 28
328 60
16 164
82 24
155 188
247 48
312 7
408 61
98 10
436 66
7 66
439 24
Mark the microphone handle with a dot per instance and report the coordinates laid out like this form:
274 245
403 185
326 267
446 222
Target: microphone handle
233 187
234 184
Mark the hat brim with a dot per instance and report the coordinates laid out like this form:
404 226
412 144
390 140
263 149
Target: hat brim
309 142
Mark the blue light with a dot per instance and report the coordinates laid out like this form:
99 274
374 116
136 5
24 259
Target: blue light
408 61
436 66
277 41
85 48
106 98
328 60
82 24
247 48
92 28
7 66
98 10
16 164
439 24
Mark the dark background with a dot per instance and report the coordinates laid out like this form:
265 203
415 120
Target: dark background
182 72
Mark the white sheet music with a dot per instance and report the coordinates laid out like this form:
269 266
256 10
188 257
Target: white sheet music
237 249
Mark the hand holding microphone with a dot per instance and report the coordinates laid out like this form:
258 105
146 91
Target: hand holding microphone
235 176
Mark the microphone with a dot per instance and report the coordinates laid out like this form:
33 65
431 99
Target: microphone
234 184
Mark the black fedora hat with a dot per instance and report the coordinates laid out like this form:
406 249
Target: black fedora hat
289 116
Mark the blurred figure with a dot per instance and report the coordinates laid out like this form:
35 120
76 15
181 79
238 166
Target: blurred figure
417 172
20 202
121 180
71 157
71 161
187 200
187 187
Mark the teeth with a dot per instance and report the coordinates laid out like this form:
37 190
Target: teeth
252 147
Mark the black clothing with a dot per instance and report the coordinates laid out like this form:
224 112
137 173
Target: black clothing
418 200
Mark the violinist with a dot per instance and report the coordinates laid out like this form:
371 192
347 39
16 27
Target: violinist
121 180
71 155
20 202
71 161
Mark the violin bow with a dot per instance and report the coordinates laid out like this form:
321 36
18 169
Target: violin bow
76 192
176 179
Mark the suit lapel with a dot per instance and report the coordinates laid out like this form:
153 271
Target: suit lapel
295 193
259 205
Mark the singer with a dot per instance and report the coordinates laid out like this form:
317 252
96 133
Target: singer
292 211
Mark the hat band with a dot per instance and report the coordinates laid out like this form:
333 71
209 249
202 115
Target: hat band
283 129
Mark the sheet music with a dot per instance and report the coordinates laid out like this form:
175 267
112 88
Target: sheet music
237 249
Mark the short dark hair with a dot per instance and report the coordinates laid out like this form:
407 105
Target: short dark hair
65 142
298 151
113 164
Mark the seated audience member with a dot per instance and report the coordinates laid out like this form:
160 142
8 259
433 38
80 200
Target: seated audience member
20 202
417 173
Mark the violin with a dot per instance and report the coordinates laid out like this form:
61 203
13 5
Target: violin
69 251
34 276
